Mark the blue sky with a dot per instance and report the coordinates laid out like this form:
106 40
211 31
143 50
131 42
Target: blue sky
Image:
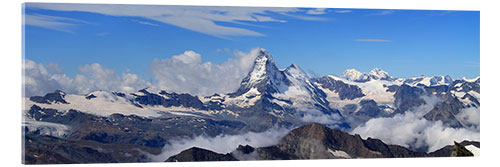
126 38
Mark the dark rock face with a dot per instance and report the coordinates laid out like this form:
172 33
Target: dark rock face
91 96
344 90
40 149
460 151
132 129
369 108
245 149
349 108
55 97
407 97
457 149
446 112
199 154
315 141
173 99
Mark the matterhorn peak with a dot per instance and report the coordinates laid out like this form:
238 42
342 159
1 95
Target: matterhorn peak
263 72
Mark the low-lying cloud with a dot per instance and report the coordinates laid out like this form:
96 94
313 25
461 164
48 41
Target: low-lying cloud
223 143
411 130
470 117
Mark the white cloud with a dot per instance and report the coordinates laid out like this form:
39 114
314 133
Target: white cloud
146 23
317 11
342 11
222 143
54 68
412 130
188 74
38 81
470 116
184 73
196 18
322 118
51 22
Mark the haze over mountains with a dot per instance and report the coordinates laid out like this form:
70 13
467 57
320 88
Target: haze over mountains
420 114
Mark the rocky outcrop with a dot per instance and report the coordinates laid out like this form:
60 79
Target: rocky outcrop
198 154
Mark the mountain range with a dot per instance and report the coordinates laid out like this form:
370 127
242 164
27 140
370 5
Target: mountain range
315 141
149 119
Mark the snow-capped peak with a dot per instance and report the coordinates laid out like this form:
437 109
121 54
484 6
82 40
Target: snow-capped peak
471 80
355 75
295 71
263 62
264 75
379 74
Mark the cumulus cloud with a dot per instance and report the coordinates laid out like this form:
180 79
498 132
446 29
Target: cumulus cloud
187 73
223 143
411 130
184 73
38 80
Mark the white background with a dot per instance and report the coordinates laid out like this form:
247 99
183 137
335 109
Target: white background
10 78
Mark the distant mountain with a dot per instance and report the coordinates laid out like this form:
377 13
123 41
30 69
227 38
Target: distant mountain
375 74
429 81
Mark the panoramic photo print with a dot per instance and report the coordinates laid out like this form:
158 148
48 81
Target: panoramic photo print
111 83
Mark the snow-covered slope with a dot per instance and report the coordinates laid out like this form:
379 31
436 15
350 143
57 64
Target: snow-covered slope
355 75
379 74
375 74
429 81
104 103
46 128
291 84
376 90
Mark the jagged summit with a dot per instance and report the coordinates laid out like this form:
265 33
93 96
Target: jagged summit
55 97
379 74
264 76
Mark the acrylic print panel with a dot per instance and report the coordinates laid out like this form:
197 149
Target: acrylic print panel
109 83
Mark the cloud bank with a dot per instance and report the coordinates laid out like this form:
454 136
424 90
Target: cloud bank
223 143
38 80
184 73
411 130
188 74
